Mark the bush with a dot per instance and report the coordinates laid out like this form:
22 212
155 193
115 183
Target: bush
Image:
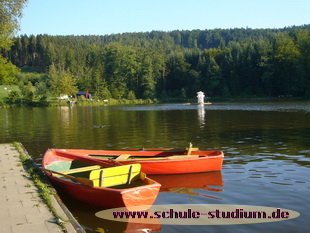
131 95
13 96
27 93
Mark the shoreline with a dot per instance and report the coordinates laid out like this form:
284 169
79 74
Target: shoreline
139 102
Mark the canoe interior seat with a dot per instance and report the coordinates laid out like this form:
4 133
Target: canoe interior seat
114 176
123 156
195 149
81 169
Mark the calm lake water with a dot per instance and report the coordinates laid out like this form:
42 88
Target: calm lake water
266 146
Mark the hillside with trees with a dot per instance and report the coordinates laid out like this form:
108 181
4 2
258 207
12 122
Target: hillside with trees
223 63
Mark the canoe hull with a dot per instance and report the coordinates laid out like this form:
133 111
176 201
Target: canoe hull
179 166
206 161
106 197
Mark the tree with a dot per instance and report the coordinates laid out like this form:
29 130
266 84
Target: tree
10 12
178 68
8 72
303 42
120 64
13 97
26 91
68 83
131 95
220 62
147 79
62 82
101 87
287 56
54 80
41 91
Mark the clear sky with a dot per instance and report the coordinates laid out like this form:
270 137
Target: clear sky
101 17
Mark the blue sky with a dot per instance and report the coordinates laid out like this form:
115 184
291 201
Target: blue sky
102 17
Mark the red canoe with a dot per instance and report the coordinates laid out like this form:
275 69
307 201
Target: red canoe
85 180
157 161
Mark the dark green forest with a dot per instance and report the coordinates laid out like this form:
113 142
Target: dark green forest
223 63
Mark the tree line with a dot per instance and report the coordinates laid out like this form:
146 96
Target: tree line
223 63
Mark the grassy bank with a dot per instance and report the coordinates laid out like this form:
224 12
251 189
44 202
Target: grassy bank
6 102
56 103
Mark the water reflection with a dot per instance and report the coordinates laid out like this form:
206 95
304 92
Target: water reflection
85 214
201 115
275 106
191 184
65 115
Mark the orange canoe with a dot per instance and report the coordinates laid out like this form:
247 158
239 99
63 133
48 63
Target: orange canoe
157 161
89 182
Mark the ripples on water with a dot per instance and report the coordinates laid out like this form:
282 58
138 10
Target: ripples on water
266 146
283 106
267 166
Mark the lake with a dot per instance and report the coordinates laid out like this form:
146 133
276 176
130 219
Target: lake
266 146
